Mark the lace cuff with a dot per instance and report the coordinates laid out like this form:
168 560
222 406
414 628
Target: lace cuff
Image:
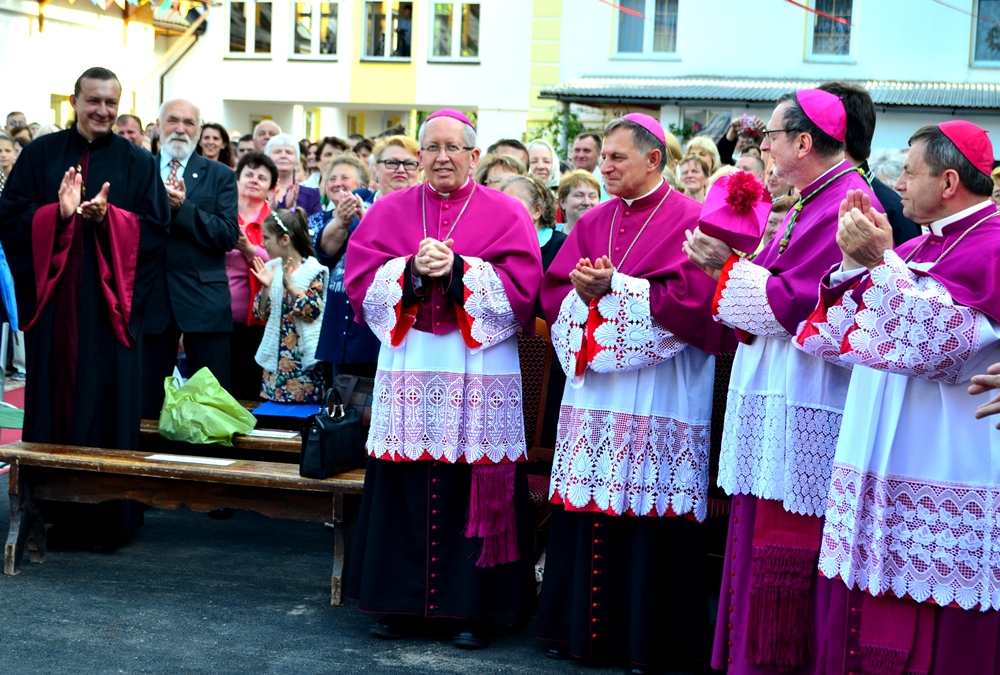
823 332
741 299
907 324
486 318
567 335
626 336
383 304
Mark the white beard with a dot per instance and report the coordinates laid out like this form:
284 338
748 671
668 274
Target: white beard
178 146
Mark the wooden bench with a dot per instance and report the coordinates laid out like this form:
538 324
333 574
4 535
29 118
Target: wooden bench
89 475
268 445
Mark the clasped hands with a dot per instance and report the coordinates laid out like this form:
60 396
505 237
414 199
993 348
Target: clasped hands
71 199
863 234
434 258
592 280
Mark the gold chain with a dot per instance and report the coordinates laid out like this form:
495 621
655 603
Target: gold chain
423 211
611 234
957 241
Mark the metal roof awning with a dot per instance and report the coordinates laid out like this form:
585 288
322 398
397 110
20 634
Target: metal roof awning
598 90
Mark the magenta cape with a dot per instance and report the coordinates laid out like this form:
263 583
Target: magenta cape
495 228
680 294
812 249
971 272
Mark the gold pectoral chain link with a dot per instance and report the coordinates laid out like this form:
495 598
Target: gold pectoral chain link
611 233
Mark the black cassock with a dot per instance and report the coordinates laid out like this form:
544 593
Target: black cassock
87 395
410 554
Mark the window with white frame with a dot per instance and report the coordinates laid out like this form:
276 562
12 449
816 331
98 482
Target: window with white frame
646 28
250 28
830 30
314 30
388 30
986 49
455 31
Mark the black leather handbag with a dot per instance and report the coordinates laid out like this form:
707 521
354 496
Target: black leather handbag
333 440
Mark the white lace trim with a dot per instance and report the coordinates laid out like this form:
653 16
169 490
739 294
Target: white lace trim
620 462
935 542
567 333
493 320
380 301
450 417
827 342
774 450
744 301
910 326
630 336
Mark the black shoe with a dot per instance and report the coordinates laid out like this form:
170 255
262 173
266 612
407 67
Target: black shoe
633 669
221 514
557 653
469 639
388 628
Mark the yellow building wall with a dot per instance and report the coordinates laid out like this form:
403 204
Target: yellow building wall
546 27
380 82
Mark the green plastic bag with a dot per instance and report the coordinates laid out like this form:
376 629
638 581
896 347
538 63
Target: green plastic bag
201 411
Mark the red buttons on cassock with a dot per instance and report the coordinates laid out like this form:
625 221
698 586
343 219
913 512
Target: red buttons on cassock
435 512
854 631
447 206
434 590
731 591
437 306
734 556
434 575
596 604
597 557
730 610
594 620
730 643
435 496
434 543
436 559
729 660
435 480
734 537
736 502
627 213
596 588
736 520
437 323
730 626
733 573
593 636
597 571
621 231
433 607
597 541
434 527
852 653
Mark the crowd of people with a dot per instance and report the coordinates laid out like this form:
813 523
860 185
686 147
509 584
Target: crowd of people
856 290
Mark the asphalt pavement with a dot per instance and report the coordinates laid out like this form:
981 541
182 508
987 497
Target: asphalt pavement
193 595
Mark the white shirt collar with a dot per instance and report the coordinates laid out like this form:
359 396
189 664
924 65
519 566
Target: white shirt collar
629 202
939 225
447 194
165 160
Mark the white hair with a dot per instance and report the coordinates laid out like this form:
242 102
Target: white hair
469 136
556 175
167 104
276 126
283 140
886 165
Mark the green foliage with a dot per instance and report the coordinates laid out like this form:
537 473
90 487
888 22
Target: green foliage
683 134
551 131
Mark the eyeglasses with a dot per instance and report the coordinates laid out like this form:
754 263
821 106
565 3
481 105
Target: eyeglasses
766 134
450 150
394 164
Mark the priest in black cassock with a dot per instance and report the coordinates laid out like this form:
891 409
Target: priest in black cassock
84 219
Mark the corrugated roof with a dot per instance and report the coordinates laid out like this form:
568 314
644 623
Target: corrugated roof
664 90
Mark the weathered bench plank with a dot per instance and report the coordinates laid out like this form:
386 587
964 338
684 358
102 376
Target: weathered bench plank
91 475
252 447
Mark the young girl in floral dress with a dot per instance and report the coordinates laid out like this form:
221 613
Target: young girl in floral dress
291 298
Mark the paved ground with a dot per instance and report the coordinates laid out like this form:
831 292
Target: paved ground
190 594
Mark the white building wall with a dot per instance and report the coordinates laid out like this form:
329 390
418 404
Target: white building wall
50 60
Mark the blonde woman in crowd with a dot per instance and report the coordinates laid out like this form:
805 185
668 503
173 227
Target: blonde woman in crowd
578 192
694 177
494 170
704 148
543 163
